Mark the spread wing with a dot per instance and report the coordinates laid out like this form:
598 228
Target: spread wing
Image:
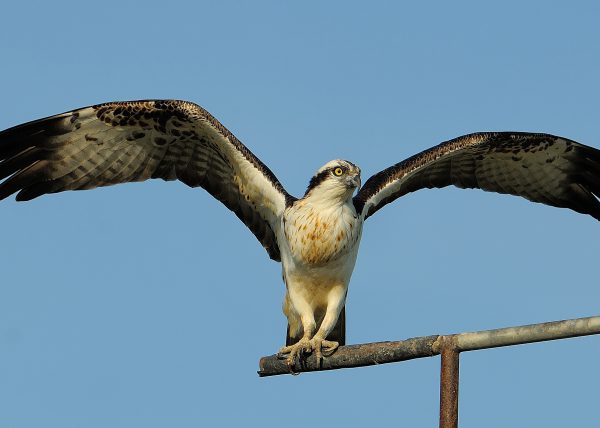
539 167
122 142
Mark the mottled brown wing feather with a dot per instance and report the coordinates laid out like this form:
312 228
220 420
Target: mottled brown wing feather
540 167
122 142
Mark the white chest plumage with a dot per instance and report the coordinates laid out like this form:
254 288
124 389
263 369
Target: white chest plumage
318 236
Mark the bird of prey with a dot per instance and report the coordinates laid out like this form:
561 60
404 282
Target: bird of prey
315 237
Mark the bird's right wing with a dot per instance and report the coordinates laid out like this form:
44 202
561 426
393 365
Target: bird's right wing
130 141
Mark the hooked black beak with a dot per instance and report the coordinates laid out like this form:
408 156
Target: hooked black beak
353 181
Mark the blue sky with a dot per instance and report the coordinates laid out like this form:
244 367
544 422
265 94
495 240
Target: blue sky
150 304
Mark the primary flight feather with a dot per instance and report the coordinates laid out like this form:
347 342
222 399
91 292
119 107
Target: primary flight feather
315 237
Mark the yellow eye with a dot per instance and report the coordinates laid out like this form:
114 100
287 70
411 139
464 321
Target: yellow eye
338 171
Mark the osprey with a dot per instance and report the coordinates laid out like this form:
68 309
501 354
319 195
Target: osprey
315 237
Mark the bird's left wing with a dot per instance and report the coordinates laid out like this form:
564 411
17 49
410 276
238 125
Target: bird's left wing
130 141
539 167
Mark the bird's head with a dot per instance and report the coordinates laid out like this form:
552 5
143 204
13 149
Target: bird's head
336 180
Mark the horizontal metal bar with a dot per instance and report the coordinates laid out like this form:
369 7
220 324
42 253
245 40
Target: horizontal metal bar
527 334
419 347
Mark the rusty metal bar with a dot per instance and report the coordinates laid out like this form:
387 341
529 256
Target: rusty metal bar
419 347
449 375
366 354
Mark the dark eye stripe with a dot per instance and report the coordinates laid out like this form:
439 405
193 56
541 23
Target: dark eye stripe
323 175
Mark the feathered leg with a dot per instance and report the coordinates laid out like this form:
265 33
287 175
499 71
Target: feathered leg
301 309
319 343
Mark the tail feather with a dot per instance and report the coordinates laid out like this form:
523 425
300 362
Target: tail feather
338 334
290 340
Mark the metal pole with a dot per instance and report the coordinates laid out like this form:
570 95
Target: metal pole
449 375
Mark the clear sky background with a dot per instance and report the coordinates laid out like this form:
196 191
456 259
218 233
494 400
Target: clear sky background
149 305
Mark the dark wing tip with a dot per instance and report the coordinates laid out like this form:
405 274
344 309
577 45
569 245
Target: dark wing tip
22 147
